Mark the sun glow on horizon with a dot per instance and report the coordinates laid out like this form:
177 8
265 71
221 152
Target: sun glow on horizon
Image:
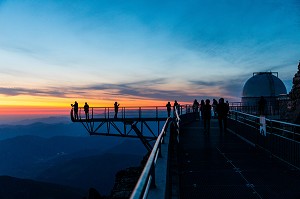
31 106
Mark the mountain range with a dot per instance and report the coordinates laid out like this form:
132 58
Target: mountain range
63 154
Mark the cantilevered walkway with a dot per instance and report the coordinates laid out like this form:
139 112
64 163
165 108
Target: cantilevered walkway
222 165
256 158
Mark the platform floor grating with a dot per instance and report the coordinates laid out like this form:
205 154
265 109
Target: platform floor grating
223 166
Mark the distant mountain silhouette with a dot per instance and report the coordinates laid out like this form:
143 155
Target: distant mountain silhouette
46 120
42 130
27 156
84 162
96 171
15 188
63 153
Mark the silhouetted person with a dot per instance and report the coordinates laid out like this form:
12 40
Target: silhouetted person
222 110
202 108
262 105
116 105
195 106
175 107
86 110
214 106
168 105
206 116
75 107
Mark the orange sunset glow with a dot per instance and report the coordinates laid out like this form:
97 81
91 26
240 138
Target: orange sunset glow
33 106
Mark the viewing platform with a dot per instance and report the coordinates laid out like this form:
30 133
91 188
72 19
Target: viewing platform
134 113
222 165
255 158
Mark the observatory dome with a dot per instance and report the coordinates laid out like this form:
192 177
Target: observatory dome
263 84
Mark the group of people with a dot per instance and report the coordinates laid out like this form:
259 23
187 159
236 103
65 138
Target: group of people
75 109
220 111
87 107
176 106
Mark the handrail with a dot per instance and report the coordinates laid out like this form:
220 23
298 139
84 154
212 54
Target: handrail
281 139
147 178
177 118
124 112
267 119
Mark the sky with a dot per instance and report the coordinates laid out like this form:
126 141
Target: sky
139 53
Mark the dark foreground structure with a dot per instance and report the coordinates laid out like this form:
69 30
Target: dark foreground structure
255 158
225 166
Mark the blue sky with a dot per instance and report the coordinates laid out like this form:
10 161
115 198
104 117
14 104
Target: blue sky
157 50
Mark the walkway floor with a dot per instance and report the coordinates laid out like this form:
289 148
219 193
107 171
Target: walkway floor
224 166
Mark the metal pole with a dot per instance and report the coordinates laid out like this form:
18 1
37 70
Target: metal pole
140 112
153 185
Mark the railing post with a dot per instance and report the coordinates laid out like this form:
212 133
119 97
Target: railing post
163 139
159 149
156 108
108 112
92 113
271 136
140 112
152 185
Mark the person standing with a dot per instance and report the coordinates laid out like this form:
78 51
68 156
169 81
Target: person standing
207 116
214 106
222 110
195 106
75 106
202 104
175 107
86 110
262 105
168 105
116 105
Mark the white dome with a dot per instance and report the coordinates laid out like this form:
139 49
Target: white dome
263 84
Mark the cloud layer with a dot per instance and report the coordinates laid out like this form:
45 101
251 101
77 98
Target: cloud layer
140 49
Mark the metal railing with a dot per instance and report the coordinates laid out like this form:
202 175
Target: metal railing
123 112
127 112
281 140
147 178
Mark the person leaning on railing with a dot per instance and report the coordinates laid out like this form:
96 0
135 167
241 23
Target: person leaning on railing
75 108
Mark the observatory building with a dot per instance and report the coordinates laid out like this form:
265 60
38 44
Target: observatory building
264 84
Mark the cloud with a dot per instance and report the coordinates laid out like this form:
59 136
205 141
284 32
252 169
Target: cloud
33 92
146 89
206 83
126 42
230 87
